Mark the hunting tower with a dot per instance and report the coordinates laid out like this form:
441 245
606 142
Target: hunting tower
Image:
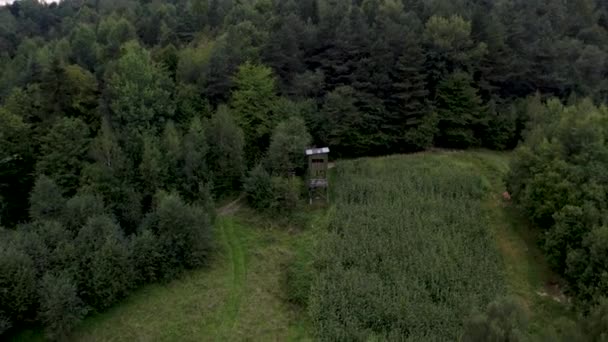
318 186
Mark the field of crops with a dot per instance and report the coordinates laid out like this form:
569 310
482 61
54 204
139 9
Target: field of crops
409 253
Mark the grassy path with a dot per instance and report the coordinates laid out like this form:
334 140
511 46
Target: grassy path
240 297
528 275
236 258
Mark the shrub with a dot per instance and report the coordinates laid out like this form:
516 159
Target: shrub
51 246
183 231
147 256
558 178
60 307
63 150
285 194
595 325
46 200
258 188
80 208
17 283
503 321
105 273
5 324
286 152
501 131
225 156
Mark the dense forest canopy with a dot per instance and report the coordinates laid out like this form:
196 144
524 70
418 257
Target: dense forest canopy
368 77
125 118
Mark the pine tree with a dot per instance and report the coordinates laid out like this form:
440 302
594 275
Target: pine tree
411 122
461 113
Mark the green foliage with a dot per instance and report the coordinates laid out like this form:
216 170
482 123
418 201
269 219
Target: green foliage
147 256
225 158
593 327
63 151
195 151
105 272
190 104
114 31
368 77
411 120
17 283
84 46
500 133
300 272
80 208
504 320
51 247
407 254
287 145
557 177
253 103
183 232
46 200
340 124
139 92
461 114
16 151
173 158
258 188
80 94
285 194
109 177
60 307
153 169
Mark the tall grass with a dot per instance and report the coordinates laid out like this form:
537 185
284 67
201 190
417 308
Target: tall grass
409 253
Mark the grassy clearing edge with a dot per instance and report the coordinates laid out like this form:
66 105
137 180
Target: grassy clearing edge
528 275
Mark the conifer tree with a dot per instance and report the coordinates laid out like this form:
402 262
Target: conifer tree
460 111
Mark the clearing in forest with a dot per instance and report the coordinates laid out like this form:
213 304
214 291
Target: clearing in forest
239 297
417 242
410 252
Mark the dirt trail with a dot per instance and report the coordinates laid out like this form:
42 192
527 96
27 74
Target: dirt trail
231 207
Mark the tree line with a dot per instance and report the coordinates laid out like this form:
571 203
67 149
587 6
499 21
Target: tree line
124 119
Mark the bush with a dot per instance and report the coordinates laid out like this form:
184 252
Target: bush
60 307
225 156
5 324
285 194
286 152
501 131
595 326
147 256
46 200
183 232
51 246
17 283
258 188
80 208
503 321
277 194
106 273
558 177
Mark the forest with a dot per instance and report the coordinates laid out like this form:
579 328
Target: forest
124 122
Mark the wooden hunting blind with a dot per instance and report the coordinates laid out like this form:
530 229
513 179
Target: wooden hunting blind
318 164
